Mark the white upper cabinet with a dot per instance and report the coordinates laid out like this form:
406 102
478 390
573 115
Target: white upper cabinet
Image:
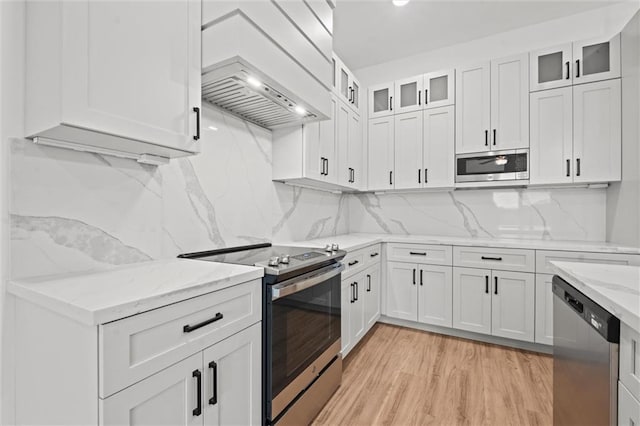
597 131
348 87
510 103
439 88
408 151
596 59
381 100
438 147
551 152
473 108
408 95
327 144
380 152
355 151
551 67
105 76
349 148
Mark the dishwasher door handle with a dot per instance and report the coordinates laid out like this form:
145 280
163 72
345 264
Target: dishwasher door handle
577 306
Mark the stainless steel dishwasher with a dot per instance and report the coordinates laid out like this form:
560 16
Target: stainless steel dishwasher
585 359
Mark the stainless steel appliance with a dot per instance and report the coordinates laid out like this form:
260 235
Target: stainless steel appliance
302 364
493 166
585 359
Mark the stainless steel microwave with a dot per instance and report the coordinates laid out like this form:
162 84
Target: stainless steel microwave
493 166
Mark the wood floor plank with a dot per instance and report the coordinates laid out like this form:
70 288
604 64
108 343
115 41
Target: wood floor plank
400 376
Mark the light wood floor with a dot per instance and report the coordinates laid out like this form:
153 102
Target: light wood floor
399 376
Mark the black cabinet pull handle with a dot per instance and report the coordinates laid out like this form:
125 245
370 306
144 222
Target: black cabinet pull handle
355 285
414 277
426 175
355 262
198 375
353 96
352 294
190 328
494 137
486 138
568 72
353 175
426 99
568 167
368 283
421 271
322 166
577 67
391 103
391 178
418 253
495 288
326 171
490 258
419 174
349 91
197 135
577 167
374 254
419 101
486 284
214 398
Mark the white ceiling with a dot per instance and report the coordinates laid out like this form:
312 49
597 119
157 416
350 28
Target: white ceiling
369 32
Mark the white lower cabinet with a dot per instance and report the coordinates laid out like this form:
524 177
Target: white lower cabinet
371 294
628 407
500 303
217 386
346 295
544 309
402 291
356 318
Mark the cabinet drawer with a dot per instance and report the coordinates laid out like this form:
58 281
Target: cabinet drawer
419 253
494 258
354 261
373 254
543 257
136 347
630 359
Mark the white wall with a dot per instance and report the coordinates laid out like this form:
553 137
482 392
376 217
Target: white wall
623 198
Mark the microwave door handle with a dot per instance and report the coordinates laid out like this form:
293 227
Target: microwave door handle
296 285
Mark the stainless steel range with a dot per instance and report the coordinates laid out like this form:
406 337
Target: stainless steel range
302 364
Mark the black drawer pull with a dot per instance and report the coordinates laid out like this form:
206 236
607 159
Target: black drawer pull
198 375
491 258
417 253
190 328
374 254
214 399
355 262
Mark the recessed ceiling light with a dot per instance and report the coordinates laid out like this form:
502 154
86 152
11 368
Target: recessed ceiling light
254 81
400 2
300 110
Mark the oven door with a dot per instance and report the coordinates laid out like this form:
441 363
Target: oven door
493 166
303 333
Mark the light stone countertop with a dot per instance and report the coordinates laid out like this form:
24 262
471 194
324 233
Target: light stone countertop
614 287
103 296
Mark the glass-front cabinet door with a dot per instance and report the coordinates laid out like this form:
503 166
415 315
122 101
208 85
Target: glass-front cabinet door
550 68
439 88
596 60
381 100
408 95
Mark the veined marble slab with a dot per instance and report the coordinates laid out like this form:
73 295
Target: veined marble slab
104 296
359 240
614 287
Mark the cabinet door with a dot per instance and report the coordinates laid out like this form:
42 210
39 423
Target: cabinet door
342 142
381 100
544 309
380 153
597 122
510 102
435 295
408 151
355 95
130 75
550 68
408 94
232 383
372 296
439 88
473 108
596 59
355 153
344 81
472 300
628 407
346 300
335 74
438 147
551 151
169 397
356 318
314 161
327 143
513 305
402 291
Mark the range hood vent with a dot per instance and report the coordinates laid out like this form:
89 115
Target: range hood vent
263 103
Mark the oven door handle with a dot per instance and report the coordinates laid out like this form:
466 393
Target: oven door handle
298 284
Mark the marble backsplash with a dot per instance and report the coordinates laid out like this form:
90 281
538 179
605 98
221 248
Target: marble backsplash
550 214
